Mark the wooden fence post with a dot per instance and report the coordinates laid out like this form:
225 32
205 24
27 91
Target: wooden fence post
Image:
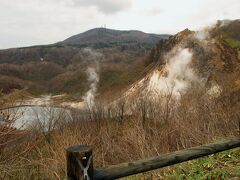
79 162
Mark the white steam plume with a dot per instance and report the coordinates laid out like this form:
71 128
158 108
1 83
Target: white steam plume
178 74
93 76
202 35
222 23
91 55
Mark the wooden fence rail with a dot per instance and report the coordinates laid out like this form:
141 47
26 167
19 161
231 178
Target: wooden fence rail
80 161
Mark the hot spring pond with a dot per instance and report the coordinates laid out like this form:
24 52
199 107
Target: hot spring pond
35 117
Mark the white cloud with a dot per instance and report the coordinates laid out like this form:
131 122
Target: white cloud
210 11
30 22
154 12
42 22
105 6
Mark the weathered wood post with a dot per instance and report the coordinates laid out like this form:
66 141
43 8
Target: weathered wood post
79 162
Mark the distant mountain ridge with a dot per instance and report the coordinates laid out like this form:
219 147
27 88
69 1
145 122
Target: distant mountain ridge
60 67
104 35
64 51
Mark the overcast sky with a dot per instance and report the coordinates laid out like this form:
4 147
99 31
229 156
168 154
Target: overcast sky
32 22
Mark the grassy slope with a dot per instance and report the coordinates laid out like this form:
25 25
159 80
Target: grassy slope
120 69
220 166
232 42
230 34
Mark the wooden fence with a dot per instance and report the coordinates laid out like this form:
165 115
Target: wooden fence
80 161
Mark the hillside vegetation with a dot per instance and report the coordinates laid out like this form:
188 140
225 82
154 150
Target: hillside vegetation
134 117
61 67
116 137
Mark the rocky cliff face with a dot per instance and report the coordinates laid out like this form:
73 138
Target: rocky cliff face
208 58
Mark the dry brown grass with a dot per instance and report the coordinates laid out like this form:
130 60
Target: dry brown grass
152 128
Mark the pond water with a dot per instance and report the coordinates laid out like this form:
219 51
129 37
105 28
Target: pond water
37 117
